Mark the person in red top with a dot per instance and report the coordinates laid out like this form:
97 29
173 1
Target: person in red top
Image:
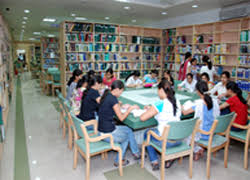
184 66
109 77
237 104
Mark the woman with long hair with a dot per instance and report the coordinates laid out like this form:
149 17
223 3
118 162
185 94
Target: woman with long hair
184 66
208 67
77 73
133 80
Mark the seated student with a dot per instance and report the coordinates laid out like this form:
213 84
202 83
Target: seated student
91 99
220 88
151 78
206 109
77 73
77 94
167 109
91 73
133 80
109 77
109 107
188 84
237 104
205 77
167 76
192 68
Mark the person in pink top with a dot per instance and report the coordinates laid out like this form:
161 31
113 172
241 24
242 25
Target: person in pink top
109 77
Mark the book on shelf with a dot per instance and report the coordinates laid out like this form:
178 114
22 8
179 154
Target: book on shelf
78 47
129 48
244 85
208 49
245 36
106 28
244 60
151 49
106 38
245 48
219 60
69 27
184 49
82 37
151 40
152 57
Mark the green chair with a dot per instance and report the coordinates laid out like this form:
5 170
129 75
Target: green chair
178 130
56 84
218 138
89 146
176 83
242 136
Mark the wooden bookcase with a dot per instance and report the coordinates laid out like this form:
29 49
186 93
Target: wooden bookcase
225 42
49 53
100 46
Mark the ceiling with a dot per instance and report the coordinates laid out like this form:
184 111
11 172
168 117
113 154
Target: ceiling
143 11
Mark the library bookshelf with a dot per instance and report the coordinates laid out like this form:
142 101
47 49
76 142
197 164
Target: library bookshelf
99 46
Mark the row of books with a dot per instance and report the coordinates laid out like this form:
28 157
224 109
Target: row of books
184 49
244 60
49 55
219 59
92 57
154 57
169 49
69 27
106 38
151 49
245 36
203 38
169 57
245 48
205 50
243 73
244 85
82 37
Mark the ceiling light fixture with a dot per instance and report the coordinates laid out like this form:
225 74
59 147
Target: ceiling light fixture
27 11
80 18
32 39
107 18
36 33
195 6
51 35
134 21
127 8
24 22
125 1
164 13
25 18
49 19
73 14
23 26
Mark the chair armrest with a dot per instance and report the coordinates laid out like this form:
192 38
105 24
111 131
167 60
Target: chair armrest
92 122
240 126
204 132
99 138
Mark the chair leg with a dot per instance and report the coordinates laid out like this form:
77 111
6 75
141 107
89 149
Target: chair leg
75 156
120 163
208 162
61 121
162 167
69 137
180 160
53 90
226 154
103 156
87 167
191 165
246 155
142 155
64 129
214 154
106 155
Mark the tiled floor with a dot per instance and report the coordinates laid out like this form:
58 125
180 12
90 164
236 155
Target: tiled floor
50 159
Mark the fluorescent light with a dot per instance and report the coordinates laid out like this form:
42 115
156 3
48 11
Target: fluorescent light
23 26
73 14
25 18
24 22
164 13
107 18
32 39
195 6
27 11
36 33
49 19
125 1
51 35
127 7
134 21
22 30
81 18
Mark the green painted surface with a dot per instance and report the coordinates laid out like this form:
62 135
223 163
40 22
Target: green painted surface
21 170
130 172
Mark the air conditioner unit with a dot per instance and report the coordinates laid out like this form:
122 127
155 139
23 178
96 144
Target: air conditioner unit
235 11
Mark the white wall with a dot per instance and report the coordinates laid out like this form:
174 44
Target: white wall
195 18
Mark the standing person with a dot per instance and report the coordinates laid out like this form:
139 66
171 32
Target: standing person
151 78
184 66
109 107
133 80
109 77
167 76
237 104
188 84
208 68
77 73
78 93
193 69
165 110
206 109
205 77
91 99
220 88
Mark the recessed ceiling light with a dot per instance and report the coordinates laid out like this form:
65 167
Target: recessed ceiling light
81 18
73 15
164 13
25 18
107 18
49 19
195 6
32 39
134 21
22 30
27 11
24 22
23 26
127 7
51 35
36 33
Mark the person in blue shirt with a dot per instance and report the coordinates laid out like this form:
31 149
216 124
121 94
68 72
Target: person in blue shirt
151 78
109 107
206 109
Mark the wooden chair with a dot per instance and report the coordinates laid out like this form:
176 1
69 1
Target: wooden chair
90 146
218 138
62 113
173 131
242 136
56 82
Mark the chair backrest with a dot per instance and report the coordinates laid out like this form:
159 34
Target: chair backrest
58 93
223 122
52 69
77 123
56 77
181 129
